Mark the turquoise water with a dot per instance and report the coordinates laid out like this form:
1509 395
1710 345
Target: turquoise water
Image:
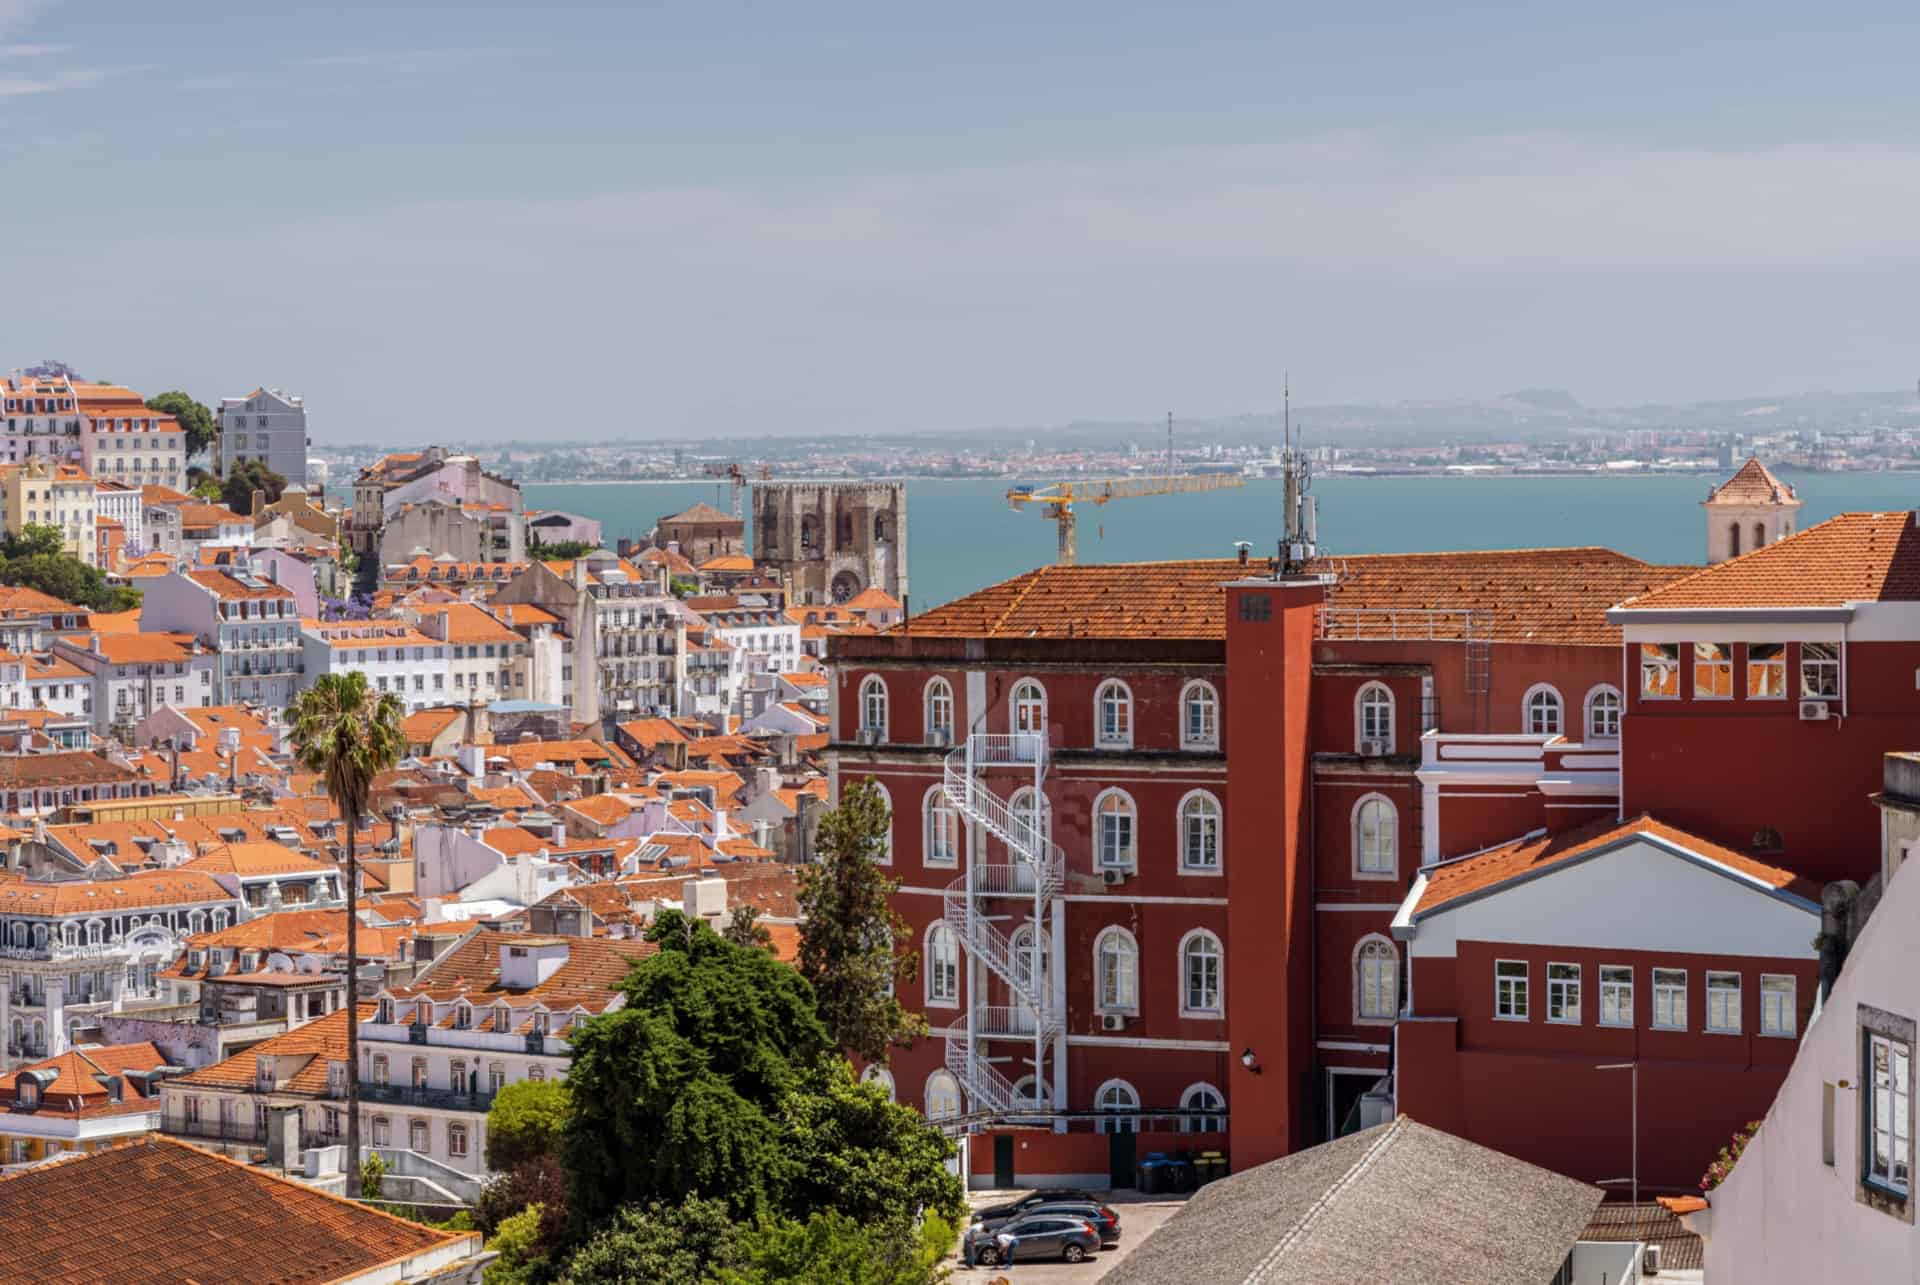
961 535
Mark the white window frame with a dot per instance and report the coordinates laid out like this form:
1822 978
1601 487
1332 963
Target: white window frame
1021 954
1884 1095
1129 1004
1563 993
873 700
1827 662
937 690
1595 695
1507 987
1358 850
1368 950
880 1075
1121 1117
1363 703
1776 664
1617 994
1200 691
1703 662
1551 707
1196 1117
1014 705
933 804
1665 989
1130 858
1662 659
1721 1025
1779 1008
941 1085
1116 692
1197 937
937 996
1200 802
1042 810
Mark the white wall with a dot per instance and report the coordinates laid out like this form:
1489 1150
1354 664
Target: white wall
1638 897
1784 1215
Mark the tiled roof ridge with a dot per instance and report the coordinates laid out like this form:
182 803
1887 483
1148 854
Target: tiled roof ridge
1752 482
1768 552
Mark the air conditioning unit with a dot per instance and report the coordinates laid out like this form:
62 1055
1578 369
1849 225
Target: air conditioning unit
1814 711
1650 1259
1113 1022
1114 878
939 736
869 736
1372 749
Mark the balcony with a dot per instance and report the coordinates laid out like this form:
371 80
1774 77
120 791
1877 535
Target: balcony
408 1095
218 1130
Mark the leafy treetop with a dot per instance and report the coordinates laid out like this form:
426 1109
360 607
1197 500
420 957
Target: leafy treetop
196 421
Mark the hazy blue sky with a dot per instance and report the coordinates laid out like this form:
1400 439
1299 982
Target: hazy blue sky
467 221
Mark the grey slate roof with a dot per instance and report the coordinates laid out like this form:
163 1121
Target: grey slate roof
1400 1202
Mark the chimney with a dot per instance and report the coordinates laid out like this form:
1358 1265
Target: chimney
559 835
258 503
394 815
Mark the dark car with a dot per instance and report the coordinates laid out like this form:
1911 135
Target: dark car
1104 1219
1046 1195
1039 1236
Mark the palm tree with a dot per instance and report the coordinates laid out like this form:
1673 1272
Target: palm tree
348 733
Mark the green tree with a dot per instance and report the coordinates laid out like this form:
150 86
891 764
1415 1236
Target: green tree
195 420
526 1122
683 588
833 1249
539 550
246 478
858 1152
35 539
349 734
208 489
33 558
658 1244
849 928
373 1170
745 929
518 1243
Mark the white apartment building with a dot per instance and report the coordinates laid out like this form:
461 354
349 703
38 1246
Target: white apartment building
628 634
118 502
489 659
133 675
395 658
436 1052
253 624
268 425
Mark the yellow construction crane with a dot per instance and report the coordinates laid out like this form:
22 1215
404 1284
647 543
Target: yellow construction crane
1060 498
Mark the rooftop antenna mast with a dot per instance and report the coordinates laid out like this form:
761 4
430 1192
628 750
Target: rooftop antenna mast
1298 545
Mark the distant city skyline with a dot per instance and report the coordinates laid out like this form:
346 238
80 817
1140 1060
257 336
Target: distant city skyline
489 222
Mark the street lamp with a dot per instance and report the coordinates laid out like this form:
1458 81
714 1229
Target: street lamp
1248 1060
1634 1068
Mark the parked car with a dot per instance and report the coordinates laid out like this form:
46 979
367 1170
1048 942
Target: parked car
1104 1219
1042 1236
1046 1195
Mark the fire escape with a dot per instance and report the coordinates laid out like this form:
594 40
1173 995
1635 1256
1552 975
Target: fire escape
1034 872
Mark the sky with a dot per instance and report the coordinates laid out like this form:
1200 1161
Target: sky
477 222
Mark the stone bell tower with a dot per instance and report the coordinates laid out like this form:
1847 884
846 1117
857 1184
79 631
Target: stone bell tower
1748 511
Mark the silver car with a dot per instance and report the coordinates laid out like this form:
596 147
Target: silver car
1034 1237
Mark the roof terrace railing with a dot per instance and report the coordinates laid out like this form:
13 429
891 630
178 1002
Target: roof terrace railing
1402 624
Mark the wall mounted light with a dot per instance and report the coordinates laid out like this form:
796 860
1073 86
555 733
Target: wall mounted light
1248 1060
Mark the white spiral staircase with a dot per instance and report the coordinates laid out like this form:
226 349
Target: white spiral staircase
1036 870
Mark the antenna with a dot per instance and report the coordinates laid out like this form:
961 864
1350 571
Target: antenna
1169 443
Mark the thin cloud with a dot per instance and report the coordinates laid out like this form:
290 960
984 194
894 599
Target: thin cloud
404 57
62 81
32 51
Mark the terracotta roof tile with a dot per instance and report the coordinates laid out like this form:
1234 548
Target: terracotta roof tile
593 970
139 890
264 858
324 1040
204 1219
1753 484
1450 881
1855 557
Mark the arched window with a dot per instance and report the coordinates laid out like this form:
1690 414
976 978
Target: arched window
1200 979
1541 711
1030 1092
886 840
1029 706
1115 1097
873 708
942 830
1376 980
1208 1110
1373 720
942 965
95 932
1376 838
939 711
943 1095
1032 963
1199 716
1200 833
1603 713
1759 535
877 1074
1113 715
1032 809
1733 539
1116 972
1113 831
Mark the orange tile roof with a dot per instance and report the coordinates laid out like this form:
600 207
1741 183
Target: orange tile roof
226 587
602 809
649 732
74 1091
114 622
525 613
1452 881
244 859
148 648
1855 557
1753 484
140 890
594 968
702 512
422 727
728 562
324 1039
873 598
199 515
673 562
206 1219
467 623
361 634
1526 595
529 754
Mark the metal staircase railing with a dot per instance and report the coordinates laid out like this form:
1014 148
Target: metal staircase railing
1036 870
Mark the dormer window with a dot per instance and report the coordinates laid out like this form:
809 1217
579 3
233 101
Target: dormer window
540 1023
384 1013
26 1092
462 1017
502 1018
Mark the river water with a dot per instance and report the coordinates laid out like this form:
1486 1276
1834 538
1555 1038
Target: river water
961 535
